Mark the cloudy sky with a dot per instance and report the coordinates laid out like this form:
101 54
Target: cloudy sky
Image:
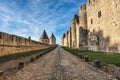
30 17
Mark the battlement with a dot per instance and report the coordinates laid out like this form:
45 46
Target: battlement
12 44
83 7
91 2
75 19
14 40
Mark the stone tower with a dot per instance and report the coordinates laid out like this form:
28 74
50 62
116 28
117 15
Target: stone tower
44 38
52 40
63 40
83 32
74 23
83 17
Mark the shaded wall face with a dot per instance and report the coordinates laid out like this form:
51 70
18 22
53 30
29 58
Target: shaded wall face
104 15
81 33
83 39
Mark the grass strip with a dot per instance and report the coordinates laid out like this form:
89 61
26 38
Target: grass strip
24 54
105 58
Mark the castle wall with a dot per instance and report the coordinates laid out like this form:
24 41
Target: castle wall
10 44
82 28
77 35
66 35
69 38
83 17
62 41
73 31
103 20
98 26
65 40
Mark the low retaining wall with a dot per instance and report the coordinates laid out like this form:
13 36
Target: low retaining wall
6 50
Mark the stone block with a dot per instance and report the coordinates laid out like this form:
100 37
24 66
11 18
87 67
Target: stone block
32 59
97 63
1 75
81 56
86 58
117 72
37 57
40 54
21 64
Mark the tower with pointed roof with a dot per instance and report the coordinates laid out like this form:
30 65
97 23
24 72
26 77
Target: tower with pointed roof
44 38
52 40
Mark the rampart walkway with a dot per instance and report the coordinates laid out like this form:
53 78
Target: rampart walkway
59 65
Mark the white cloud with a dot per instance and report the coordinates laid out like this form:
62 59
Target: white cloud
37 16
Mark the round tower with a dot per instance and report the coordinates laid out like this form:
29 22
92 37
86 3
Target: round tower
52 40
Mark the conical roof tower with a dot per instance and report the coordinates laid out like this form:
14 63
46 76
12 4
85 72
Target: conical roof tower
52 36
44 35
44 38
52 40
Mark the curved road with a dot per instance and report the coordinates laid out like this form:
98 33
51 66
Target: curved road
59 65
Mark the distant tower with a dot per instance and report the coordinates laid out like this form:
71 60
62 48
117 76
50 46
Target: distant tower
52 40
44 38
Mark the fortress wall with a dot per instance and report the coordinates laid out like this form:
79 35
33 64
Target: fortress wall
98 28
83 17
10 44
62 40
82 28
104 16
73 31
65 40
77 35
69 38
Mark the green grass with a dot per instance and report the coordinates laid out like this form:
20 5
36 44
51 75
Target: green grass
105 58
24 54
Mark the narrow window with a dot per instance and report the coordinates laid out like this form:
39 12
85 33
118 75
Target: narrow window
99 14
91 21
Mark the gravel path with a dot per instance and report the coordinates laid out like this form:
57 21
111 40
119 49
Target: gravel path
59 65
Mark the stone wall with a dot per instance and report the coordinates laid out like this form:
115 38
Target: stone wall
103 20
74 24
10 44
98 26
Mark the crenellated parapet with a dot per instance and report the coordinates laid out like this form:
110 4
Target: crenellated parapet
14 40
97 27
11 44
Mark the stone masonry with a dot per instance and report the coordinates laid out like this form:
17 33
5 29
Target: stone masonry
10 44
97 27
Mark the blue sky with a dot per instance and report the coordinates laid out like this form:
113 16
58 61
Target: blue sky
30 17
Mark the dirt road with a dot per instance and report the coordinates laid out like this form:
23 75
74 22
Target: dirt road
59 65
